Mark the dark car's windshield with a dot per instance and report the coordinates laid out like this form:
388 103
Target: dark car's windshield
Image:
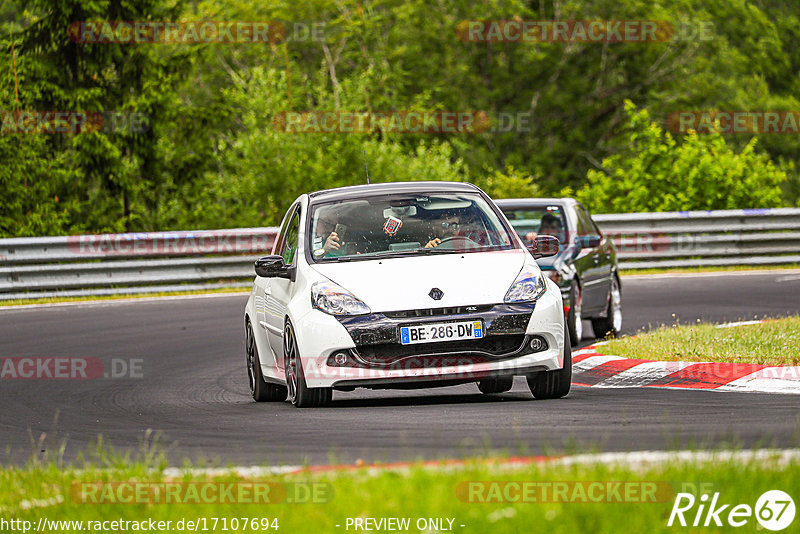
529 222
405 224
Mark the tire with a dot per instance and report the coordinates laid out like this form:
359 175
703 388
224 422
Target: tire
611 324
553 384
260 389
299 393
575 315
499 384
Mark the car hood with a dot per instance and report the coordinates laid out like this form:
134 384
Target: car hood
393 284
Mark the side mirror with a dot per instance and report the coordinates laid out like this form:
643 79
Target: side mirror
589 241
272 267
544 246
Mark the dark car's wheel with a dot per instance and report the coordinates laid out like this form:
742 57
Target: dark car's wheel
553 384
499 384
611 324
300 394
260 389
575 315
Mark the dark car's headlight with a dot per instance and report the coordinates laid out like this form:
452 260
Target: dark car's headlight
528 286
333 299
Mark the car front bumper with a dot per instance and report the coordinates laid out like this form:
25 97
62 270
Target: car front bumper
376 359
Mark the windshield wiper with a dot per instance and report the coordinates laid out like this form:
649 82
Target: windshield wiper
412 252
338 259
434 250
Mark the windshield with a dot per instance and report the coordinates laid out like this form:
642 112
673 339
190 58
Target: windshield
403 225
529 222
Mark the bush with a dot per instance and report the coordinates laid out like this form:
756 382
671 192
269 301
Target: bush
656 173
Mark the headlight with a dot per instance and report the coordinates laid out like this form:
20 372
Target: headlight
336 300
528 286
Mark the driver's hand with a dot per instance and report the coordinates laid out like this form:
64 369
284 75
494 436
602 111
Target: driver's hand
530 236
433 243
332 243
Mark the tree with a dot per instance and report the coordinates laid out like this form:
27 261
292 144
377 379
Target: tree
655 172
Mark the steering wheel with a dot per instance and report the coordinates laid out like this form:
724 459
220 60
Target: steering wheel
467 242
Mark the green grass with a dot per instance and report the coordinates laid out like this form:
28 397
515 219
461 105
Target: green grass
710 269
55 300
414 492
773 342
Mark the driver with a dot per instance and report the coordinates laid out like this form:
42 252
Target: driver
548 225
448 227
326 240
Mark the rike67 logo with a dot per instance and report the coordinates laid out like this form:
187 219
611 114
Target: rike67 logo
774 510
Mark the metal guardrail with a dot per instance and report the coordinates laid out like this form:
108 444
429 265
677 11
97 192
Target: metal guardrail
172 261
130 263
704 238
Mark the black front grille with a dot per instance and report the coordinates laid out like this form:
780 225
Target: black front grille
433 312
380 332
474 350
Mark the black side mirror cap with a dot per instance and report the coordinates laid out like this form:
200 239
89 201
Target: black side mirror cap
273 267
544 246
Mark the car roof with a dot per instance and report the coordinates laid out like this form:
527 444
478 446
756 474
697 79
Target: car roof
352 191
533 202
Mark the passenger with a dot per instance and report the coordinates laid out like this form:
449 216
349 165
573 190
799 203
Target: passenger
446 227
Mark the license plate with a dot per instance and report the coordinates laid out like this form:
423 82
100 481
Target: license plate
431 333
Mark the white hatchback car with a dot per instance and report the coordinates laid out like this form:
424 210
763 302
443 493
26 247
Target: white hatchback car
402 285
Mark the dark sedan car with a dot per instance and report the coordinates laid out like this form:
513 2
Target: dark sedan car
585 267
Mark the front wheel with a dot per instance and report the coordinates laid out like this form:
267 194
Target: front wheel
300 394
553 384
611 324
260 389
575 315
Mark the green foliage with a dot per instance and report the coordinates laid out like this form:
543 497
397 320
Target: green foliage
33 205
508 184
656 173
212 157
263 169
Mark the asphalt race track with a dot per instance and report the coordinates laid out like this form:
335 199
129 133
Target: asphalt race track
189 385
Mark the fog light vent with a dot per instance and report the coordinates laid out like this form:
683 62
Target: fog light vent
340 358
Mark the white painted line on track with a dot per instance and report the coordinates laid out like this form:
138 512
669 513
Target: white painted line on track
593 361
633 460
642 373
251 471
643 458
113 302
768 380
711 274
